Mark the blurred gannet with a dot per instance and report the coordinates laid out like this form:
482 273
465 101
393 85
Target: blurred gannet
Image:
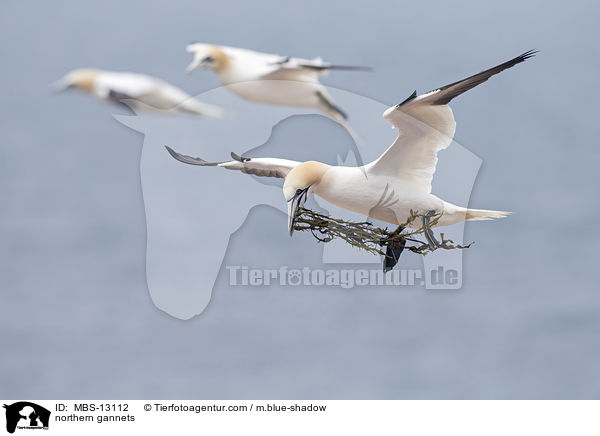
268 78
396 183
138 91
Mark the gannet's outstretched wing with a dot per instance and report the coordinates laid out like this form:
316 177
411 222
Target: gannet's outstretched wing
151 92
264 167
425 126
255 65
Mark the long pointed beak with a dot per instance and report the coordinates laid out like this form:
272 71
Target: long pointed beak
194 65
294 205
60 85
292 212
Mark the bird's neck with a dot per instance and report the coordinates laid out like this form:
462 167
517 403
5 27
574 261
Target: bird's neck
221 59
86 81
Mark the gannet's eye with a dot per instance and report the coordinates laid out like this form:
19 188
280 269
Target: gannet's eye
298 192
208 59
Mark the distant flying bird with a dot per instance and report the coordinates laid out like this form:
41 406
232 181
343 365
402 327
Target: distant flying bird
393 185
268 78
138 91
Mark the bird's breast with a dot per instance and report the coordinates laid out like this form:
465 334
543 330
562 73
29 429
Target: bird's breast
382 198
278 92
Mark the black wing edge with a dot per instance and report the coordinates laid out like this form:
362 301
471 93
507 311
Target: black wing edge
239 158
331 105
337 67
190 160
324 66
117 96
410 98
448 92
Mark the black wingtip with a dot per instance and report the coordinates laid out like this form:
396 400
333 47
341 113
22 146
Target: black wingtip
521 58
410 97
171 151
188 159
349 68
528 54
239 158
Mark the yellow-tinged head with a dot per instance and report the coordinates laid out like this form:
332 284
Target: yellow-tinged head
300 182
82 79
207 56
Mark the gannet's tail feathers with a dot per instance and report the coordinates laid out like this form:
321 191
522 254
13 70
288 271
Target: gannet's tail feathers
485 215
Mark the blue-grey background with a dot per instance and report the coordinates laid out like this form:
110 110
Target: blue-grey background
75 315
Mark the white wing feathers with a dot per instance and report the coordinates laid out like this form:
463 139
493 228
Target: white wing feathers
264 167
425 126
423 130
152 92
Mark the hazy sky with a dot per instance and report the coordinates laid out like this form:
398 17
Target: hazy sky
73 294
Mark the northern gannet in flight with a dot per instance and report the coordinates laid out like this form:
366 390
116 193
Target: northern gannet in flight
396 183
268 78
138 91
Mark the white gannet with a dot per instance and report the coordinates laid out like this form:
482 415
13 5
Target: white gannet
139 91
396 183
269 78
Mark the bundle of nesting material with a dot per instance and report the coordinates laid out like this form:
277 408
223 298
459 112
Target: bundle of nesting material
366 236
